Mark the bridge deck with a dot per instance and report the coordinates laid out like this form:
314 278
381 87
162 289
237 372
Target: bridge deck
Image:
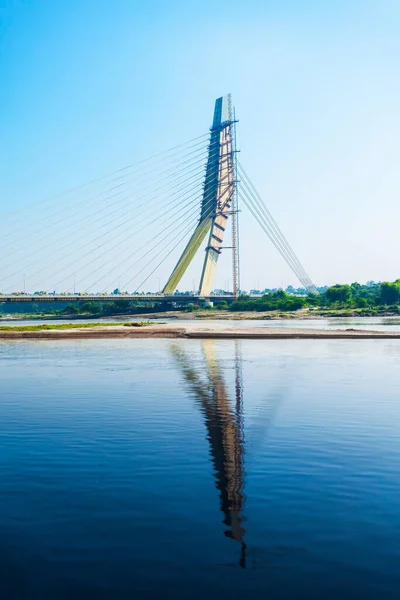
112 298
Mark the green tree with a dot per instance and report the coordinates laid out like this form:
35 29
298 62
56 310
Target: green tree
93 308
390 292
221 305
361 302
121 306
71 309
339 293
313 299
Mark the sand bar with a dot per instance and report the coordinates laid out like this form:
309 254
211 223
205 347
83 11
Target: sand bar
198 331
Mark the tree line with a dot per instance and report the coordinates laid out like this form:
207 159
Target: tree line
366 299
377 296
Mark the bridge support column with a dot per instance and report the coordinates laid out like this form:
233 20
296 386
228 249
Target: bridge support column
219 189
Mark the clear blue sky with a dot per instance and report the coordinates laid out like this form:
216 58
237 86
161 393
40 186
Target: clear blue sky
88 86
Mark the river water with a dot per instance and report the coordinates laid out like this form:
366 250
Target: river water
199 469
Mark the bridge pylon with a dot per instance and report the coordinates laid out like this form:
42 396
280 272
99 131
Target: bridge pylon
218 202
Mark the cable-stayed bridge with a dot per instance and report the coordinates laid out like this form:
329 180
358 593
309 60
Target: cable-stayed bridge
120 230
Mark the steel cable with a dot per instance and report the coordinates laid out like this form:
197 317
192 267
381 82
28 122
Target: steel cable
272 224
133 165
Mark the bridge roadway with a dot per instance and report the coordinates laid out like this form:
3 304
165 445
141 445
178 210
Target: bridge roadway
161 298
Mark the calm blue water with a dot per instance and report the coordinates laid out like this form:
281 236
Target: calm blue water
190 469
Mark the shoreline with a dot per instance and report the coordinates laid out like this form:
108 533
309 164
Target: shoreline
193 331
209 316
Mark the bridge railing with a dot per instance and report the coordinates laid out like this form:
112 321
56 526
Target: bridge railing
162 298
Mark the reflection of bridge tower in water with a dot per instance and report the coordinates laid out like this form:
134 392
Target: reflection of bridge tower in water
224 424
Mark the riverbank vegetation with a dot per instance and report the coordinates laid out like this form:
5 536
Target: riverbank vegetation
362 299
337 300
46 327
40 310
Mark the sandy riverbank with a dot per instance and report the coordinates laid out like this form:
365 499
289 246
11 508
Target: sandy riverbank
208 315
195 331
